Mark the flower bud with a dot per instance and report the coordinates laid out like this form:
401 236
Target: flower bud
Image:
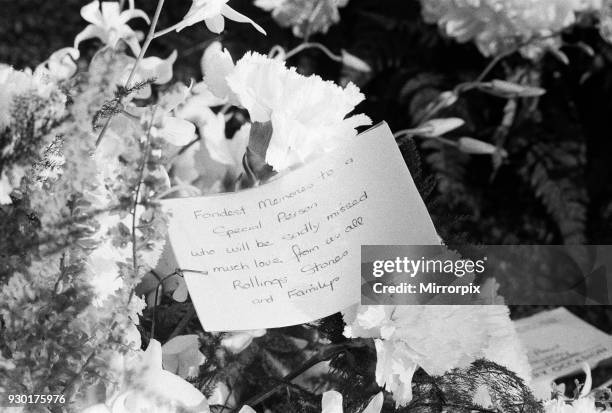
505 89
478 147
437 127
352 61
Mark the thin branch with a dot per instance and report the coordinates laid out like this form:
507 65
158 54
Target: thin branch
323 354
143 50
183 323
143 165
307 45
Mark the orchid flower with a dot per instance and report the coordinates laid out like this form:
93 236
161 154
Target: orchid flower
108 23
61 64
213 13
150 68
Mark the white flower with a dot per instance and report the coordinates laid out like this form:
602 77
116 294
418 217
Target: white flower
497 26
166 125
395 366
331 402
438 127
213 13
104 272
229 152
108 23
217 64
436 338
237 341
181 355
304 16
16 82
155 390
308 114
10 180
582 405
61 64
150 68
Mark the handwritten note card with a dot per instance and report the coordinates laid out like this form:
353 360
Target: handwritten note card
288 252
557 342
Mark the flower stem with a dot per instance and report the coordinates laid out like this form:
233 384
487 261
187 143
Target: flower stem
166 30
309 45
143 50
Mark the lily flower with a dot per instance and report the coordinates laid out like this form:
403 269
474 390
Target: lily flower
108 23
213 14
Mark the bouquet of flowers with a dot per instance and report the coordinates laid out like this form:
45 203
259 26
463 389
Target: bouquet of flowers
90 146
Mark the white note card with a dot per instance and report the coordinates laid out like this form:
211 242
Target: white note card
288 252
558 342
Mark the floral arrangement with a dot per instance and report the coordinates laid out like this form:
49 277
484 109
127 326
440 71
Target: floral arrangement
88 148
498 27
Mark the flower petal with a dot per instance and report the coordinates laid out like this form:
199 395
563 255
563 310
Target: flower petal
179 344
130 14
237 342
110 12
91 13
376 404
178 132
160 69
215 24
90 32
331 402
232 14
181 293
133 43
216 64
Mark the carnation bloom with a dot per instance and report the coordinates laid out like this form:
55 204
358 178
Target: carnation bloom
436 338
308 114
109 24
304 16
497 26
213 14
